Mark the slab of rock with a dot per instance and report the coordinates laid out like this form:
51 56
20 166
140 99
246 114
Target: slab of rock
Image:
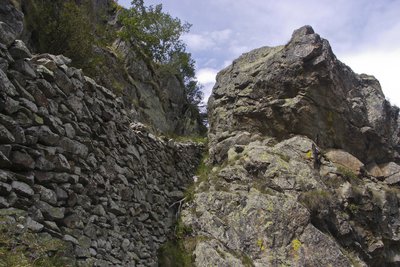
344 159
22 189
50 212
22 160
34 225
5 136
18 50
46 194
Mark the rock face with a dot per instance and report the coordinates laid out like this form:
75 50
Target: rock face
70 160
301 88
277 194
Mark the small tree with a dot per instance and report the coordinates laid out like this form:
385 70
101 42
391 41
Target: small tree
157 34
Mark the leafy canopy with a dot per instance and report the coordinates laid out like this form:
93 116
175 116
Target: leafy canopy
158 35
156 32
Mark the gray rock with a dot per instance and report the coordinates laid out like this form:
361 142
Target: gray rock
47 137
22 160
22 189
69 130
24 67
74 147
46 88
4 203
114 208
11 106
4 161
46 194
82 252
5 135
47 74
63 82
33 225
99 210
71 239
61 163
29 105
85 242
6 86
344 159
73 221
18 50
125 244
5 189
50 212
61 194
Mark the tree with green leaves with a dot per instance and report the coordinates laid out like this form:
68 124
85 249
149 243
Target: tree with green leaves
158 35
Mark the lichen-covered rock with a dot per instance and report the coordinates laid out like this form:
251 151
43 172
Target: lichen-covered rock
269 204
302 168
302 88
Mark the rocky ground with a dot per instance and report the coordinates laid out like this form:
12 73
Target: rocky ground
303 164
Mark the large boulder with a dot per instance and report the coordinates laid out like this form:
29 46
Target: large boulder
302 88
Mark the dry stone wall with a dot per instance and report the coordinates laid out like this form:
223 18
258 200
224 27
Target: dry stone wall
79 169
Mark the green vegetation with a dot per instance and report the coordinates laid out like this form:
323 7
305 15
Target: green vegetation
156 35
174 254
333 182
182 230
21 248
348 174
64 27
203 171
189 138
247 261
316 200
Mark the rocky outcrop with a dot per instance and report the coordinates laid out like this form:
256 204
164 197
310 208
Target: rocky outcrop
301 88
302 171
75 167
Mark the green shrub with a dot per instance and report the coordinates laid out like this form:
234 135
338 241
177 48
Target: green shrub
316 200
348 174
174 254
157 35
19 247
64 27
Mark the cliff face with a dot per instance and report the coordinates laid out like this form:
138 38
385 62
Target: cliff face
304 170
153 97
75 167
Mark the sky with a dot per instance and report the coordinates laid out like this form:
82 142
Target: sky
364 34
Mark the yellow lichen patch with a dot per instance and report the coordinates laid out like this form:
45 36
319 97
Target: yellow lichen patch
309 155
270 207
296 244
268 224
260 244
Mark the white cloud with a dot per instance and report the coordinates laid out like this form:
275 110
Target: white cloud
206 75
197 42
206 78
206 40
